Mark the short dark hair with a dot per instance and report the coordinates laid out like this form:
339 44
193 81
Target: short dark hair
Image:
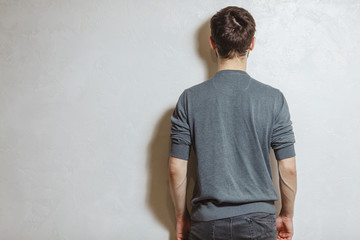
232 29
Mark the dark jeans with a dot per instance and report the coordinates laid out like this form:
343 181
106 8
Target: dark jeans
252 226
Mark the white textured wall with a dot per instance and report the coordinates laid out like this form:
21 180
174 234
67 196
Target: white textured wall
88 87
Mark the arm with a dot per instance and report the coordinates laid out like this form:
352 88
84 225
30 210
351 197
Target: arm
288 188
288 185
178 181
180 134
282 141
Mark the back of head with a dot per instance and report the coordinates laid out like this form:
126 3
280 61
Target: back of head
232 29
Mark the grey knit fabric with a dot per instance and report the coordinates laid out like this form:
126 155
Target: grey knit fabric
231 121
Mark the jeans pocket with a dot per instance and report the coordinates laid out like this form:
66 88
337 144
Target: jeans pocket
263 224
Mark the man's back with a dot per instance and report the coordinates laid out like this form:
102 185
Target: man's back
232 120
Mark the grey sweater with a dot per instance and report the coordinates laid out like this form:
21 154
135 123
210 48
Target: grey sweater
231 121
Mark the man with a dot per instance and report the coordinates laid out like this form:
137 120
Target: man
231 121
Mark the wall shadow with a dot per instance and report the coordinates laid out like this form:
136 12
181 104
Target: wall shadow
158 195
203 48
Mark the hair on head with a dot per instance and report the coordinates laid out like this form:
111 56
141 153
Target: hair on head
232 30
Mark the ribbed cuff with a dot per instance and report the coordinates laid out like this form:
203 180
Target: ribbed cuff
181 151
285 152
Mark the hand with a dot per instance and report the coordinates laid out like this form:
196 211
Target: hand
183 227
284 227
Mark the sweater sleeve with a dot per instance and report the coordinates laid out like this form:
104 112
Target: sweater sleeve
180 130
283 139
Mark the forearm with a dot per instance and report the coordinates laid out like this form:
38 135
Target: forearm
178 182
288 186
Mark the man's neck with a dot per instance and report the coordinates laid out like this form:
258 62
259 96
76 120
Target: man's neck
232 64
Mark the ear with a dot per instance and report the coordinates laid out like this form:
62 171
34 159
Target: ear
252 44
212 44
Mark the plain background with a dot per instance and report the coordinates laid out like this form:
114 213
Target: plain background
88 87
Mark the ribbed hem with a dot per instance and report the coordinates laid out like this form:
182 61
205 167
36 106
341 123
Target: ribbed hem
179 150
209 211
285 152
